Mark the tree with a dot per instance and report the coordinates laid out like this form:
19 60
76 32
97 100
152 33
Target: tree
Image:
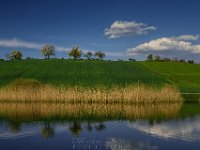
100 55
131 59
182 61
165 59
88 55
48 50
157 58
190 61
150 57
75 52
17 55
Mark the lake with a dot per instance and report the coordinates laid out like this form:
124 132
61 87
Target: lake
30 126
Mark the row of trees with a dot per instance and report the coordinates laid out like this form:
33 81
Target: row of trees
49 50
158 58
76 54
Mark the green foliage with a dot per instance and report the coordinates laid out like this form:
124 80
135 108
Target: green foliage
75 52
88 55
157 58
83 73
100 55
190 61
17 55
150 57
48 50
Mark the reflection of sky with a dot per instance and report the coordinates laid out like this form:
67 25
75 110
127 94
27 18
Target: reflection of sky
122 144
186 130
7 135
27 131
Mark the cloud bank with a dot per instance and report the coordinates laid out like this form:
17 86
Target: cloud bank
19 44
181 43
15 43
125 28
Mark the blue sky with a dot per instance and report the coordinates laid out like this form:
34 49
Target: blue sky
121 28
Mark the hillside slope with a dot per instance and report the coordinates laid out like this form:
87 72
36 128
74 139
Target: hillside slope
84 73
186 76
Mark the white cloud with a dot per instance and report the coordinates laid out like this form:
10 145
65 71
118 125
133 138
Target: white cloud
15 43
180 43
124 28
187 37
115 54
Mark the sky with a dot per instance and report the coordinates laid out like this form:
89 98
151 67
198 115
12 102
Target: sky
121 28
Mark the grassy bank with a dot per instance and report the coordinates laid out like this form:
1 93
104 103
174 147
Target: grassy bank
97 80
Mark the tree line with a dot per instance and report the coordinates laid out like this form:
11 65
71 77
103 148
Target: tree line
158 58
75 53
49 50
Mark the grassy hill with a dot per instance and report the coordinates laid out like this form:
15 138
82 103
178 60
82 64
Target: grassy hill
83 73
185 76
102 73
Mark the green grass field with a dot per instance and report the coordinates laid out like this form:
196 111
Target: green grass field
185 76
83 73
102 73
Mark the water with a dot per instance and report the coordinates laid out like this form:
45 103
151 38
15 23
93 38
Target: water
99 127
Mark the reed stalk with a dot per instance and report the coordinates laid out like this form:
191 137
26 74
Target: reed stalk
33 91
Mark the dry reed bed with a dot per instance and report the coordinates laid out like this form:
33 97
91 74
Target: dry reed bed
44 111
47 93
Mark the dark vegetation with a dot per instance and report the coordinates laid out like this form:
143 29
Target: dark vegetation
158 58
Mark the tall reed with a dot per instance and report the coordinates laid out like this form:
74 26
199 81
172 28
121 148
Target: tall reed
33 91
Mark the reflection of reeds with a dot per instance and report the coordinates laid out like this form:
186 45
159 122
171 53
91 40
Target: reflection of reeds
46 111
34 91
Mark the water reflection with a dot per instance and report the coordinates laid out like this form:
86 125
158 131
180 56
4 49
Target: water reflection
47 130
186 129
75 128
98 126
122 144
79 117
31 112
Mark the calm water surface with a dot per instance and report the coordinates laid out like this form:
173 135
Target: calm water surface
99 127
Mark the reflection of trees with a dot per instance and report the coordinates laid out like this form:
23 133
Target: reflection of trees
75 128
100 126
15 126
89 126
47 130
